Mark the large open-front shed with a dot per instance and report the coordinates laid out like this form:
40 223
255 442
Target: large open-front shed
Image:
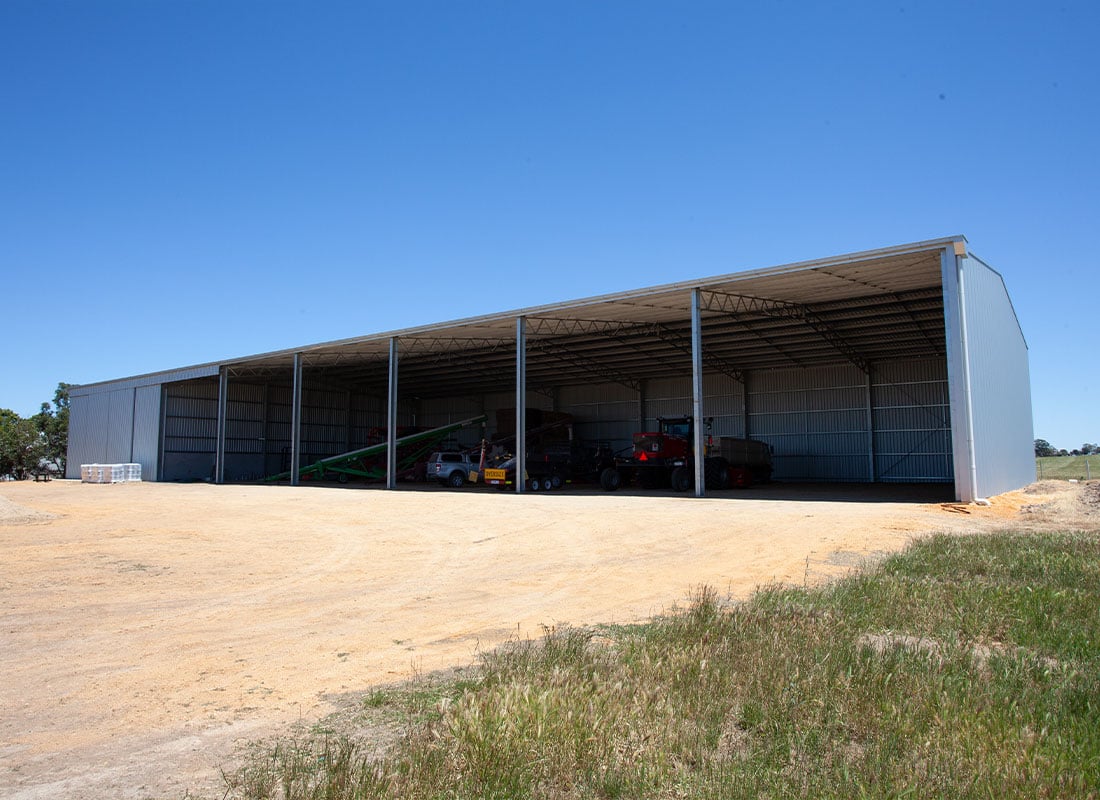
904 364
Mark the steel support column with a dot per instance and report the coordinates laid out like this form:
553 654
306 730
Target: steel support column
697 392
870 431
521 403
296 421
745 427
223 407
391 419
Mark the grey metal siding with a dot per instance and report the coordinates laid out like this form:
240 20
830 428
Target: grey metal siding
912 422
437 412
120 427
1000 383
146 430
190 430
815 419
89 416
606 412
153 379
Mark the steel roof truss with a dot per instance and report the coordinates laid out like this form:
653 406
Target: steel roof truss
740 304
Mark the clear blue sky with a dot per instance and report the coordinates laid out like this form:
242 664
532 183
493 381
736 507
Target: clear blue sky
182 182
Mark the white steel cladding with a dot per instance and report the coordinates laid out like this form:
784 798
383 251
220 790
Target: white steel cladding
1000 382
815 419
146 444
89 416
912 420
115 426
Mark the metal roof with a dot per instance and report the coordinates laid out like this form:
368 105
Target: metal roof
858 308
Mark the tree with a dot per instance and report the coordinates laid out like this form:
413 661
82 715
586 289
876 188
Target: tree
1044 449
53 425
21 445
1090 449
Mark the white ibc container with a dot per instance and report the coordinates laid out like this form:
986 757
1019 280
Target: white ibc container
95 473
110 473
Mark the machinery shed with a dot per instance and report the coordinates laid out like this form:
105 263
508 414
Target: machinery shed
905 364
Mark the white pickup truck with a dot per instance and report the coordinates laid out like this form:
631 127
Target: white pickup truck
451 469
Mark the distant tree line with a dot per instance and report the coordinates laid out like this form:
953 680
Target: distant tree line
37 444
1043 449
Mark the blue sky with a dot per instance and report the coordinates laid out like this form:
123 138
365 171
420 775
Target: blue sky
182 182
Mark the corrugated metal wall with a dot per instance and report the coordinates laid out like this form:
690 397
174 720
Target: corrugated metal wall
146 444
817 420
258 417
89 418
606 412
436 412
1000 383
912 422
190 430
115 426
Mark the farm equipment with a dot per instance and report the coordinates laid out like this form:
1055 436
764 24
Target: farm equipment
665 458
555 464
369 463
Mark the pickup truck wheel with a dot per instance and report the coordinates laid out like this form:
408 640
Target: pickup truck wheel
611 479
456 480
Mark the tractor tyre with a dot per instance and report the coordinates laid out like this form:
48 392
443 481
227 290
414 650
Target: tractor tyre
611 479
716 473
681 479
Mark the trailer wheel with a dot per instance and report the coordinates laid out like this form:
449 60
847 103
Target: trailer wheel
534 484
341 477
680 479
611 479
547 483
456 480
556 482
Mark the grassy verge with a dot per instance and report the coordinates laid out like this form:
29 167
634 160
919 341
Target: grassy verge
1067 468
965 667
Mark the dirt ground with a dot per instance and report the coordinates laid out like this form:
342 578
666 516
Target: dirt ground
148 629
